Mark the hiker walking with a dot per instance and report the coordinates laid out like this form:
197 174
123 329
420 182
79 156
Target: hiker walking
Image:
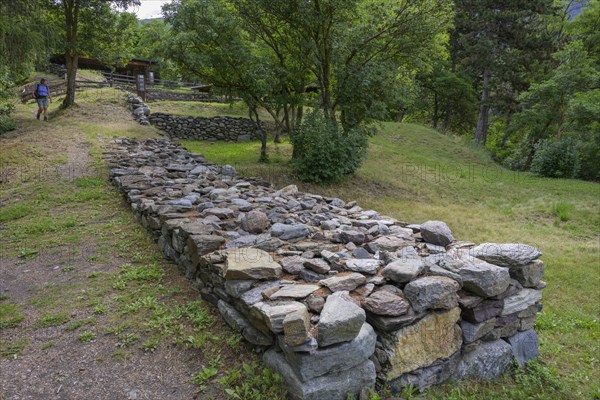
42 95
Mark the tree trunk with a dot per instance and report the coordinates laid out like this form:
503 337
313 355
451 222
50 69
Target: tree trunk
400 116
71 8
435 110
253 112
448 117
506 130
299 115
484 109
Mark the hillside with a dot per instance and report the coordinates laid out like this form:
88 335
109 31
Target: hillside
64 220
414 173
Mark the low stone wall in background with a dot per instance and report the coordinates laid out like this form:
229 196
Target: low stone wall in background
337 297
227 129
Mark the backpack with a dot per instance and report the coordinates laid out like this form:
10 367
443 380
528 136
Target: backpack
36 94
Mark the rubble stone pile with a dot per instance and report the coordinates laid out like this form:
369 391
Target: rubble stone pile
335 295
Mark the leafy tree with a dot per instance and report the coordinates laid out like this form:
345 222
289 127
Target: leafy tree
450 99
108 35
546 103
270 51
153 44
74 12
496 42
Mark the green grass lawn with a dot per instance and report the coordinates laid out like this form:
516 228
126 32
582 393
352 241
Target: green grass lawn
415 174
202 109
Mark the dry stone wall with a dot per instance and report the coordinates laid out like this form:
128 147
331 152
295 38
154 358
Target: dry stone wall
337 296
227 129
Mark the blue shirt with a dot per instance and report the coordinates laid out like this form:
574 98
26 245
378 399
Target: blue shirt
42 90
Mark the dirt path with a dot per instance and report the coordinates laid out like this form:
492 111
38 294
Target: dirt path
89 309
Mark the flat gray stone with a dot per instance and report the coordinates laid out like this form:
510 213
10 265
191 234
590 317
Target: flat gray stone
256 337
472 332
482 311
182 203
393 242
334 386
484 279
363 266
295 291
506 254
273 313
196 228
436 232
332 359
486 361
296 328
525 346
386 303
390 324
344 282
250 263
403 269
310 276
289 232
521 301
293 265
356 237
435 270
254 295
340 321
242 204
236 288
221 213
432 292
199 245
317 265
232 317
528 275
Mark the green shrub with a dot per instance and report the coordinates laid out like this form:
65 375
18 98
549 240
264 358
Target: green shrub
7 124
557 160
324 152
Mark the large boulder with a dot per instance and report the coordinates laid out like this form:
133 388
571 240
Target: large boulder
484 279
436 232
255 222
334 386
325 360
386 303
404 269
525 346
528 275
341 320
409 348
506 254
432 292
486 361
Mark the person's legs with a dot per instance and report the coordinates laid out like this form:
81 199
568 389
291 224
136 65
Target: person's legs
46 112
40 109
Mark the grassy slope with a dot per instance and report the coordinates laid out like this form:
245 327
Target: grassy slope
100 282
414 174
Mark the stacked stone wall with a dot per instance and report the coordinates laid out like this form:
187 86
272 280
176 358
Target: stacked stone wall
336 296
220 128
